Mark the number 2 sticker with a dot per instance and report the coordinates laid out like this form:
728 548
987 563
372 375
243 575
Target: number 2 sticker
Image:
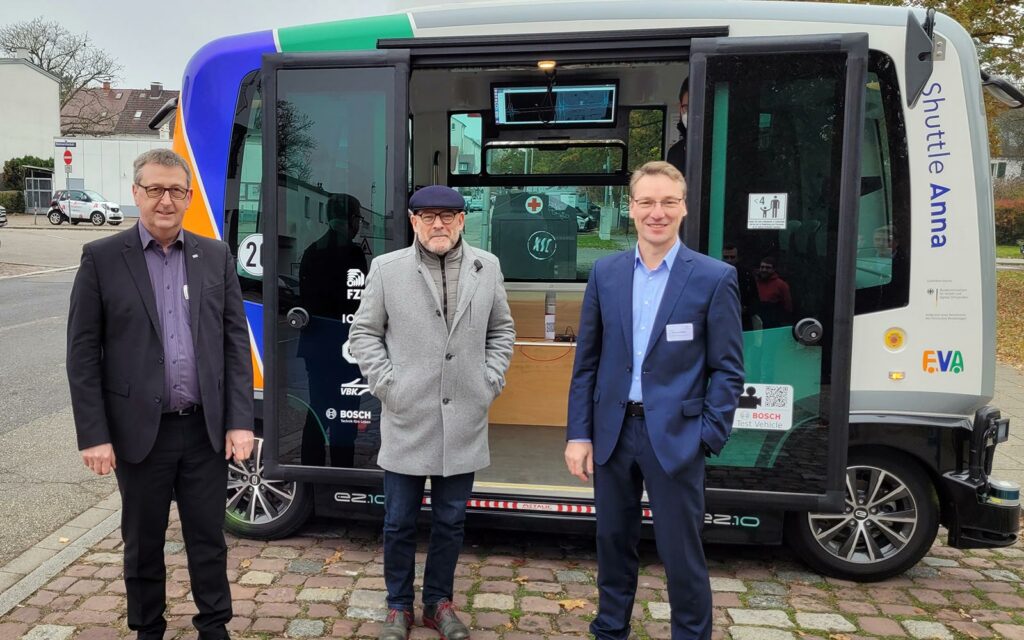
250 254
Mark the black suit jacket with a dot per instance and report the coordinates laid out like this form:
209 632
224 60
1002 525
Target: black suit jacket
115 356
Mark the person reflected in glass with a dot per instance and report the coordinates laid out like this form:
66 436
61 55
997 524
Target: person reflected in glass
774 294
749 298
332 273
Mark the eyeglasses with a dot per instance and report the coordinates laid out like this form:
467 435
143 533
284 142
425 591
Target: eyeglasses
428 217
669 204
177 193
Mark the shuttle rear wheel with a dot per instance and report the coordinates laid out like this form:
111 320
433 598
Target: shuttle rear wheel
888 522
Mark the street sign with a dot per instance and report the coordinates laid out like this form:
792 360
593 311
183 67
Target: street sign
67 157
64 143
67 169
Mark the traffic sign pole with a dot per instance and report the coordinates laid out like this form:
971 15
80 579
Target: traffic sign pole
67 169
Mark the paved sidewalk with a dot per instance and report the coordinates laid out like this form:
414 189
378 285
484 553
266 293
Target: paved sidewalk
518 586
327 583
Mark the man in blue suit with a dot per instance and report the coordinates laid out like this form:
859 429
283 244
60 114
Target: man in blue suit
658 373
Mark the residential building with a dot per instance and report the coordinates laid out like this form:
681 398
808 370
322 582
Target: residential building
29 111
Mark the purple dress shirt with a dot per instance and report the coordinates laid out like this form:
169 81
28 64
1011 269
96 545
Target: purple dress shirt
167 275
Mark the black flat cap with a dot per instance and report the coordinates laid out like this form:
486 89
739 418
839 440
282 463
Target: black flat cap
437 196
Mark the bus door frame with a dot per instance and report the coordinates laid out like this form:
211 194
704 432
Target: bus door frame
274 202
855 45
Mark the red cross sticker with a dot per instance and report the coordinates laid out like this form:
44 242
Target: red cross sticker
534 205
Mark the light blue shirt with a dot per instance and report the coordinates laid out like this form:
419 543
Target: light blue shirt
648 289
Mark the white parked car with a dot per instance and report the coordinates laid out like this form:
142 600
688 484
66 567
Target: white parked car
79 205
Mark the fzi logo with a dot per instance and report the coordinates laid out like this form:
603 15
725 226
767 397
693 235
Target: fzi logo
937 361
355 388
542 245
355 280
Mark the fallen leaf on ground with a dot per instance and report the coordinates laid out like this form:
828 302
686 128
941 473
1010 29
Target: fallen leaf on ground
577 603
335 558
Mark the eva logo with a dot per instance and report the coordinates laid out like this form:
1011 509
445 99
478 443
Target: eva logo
935 361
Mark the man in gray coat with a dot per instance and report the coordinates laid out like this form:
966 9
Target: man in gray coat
433 336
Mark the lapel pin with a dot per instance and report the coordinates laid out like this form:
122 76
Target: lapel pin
195 255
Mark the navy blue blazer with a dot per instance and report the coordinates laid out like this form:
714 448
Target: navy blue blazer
690 387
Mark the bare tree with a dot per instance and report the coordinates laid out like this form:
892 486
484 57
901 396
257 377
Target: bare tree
69 56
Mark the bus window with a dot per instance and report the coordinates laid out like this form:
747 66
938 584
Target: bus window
465 135
243 207
542 231
883 229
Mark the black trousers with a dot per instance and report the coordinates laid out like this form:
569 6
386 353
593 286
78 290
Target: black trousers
181 461
677 504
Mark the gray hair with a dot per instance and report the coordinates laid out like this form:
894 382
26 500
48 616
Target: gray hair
165 158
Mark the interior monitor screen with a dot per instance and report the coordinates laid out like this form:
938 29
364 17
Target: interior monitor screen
566 104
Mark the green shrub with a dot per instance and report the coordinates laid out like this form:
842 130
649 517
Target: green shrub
13 201
1009 221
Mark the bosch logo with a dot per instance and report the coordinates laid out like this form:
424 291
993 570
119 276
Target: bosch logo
542 245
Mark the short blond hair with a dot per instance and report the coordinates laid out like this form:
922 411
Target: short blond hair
657 168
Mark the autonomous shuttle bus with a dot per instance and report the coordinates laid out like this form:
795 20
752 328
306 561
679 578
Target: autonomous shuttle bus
838 154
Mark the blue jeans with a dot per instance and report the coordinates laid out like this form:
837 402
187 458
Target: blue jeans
403 498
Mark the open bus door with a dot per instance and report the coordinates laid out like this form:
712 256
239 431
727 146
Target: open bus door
335 164
774 175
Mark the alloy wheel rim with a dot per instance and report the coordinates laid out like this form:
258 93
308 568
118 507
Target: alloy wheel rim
252 498
879 518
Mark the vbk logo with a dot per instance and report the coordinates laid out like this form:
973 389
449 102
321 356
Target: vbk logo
937 361
354 388
534 205
355 281
542 245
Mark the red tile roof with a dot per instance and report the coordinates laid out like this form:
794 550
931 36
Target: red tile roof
99 111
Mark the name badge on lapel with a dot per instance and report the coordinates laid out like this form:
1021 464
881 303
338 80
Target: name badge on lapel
679 332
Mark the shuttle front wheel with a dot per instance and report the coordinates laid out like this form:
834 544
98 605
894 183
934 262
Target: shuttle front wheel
888 522
263 509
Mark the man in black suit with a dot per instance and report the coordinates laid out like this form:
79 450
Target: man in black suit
677 152
160 373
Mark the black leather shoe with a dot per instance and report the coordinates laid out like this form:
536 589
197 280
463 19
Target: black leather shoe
396 626
441 617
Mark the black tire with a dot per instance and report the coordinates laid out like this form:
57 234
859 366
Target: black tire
55 217
97 218
868 542
285 505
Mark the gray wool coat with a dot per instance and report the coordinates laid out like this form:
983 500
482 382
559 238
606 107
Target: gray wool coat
435 387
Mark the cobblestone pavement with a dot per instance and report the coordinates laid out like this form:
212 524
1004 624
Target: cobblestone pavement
328 583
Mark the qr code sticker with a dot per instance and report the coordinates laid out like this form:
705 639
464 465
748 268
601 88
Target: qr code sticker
775 395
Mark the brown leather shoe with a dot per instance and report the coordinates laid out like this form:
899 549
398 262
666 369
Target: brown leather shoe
441 617
396 626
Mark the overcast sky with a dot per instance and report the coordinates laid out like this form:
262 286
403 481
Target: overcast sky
153 41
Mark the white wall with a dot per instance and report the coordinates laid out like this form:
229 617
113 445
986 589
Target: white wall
29 110
105 165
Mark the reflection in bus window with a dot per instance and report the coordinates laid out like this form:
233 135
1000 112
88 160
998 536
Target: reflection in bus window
545 232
